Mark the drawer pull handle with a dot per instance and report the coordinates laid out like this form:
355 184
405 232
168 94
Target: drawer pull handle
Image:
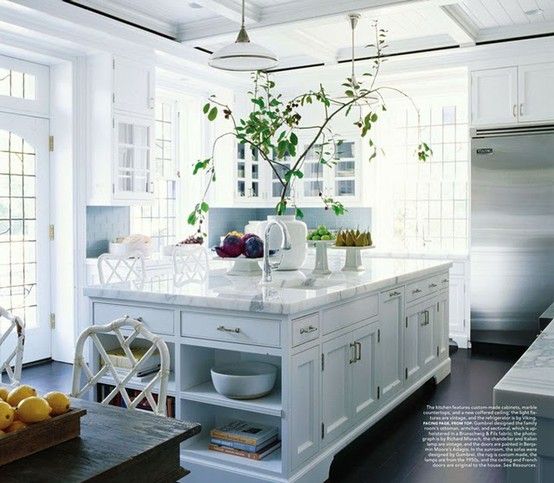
444 280
433 285
417 290
353 358
222 328
426 318
394 294
307 330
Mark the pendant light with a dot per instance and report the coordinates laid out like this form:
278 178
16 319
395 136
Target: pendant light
353 19
243 55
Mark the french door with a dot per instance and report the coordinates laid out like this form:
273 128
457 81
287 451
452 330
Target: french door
24 220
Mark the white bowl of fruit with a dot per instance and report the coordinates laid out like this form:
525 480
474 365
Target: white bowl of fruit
321 234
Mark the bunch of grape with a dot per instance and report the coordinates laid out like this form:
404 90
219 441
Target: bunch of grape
320 233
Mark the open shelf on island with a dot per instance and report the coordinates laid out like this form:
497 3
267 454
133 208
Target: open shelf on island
206 393
198 448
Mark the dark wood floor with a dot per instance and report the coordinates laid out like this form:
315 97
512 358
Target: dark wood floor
392 451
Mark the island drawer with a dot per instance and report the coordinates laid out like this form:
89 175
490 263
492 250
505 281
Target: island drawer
416 290
305 329
241 330
349 313
158 321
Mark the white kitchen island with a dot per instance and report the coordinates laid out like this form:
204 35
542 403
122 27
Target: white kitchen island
350 348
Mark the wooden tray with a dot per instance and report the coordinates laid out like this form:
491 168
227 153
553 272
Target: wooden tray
39 436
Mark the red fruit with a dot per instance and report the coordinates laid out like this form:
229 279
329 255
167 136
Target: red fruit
221 253
232 246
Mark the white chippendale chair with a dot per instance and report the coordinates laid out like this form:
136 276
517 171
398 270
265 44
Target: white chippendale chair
158 383
12 325
114 268
190 264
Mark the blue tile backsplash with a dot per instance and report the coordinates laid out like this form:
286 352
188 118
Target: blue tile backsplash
104 224
223 220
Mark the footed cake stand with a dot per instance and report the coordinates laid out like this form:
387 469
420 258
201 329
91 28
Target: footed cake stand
321 261
353 262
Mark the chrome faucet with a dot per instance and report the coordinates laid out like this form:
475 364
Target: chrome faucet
285 245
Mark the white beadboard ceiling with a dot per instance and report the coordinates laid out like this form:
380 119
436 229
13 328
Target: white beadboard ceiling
317 31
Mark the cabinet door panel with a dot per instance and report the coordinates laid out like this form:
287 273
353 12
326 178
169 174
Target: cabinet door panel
411 343
536 102
391 313
427 347
441 325
133 87
336 390
364 370
305 437
456 305
494 96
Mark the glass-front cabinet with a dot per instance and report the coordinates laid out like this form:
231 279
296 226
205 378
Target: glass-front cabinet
340 180
248 174
133 158
256 181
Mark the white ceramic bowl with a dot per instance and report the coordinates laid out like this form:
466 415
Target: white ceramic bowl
244 380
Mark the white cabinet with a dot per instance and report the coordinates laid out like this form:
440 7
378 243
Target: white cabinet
338 356
512 95
133 86
426 335
121 107
441 325
536 102
305 422
494 96
391 370
248 174
411 343
349 382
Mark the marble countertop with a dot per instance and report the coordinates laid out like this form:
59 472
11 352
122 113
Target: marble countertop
531 379
291 292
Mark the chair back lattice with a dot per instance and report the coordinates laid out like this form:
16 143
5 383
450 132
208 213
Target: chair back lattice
114 268
13 362
190 264
138 328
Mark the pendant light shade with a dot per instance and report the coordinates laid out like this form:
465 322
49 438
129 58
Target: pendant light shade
243 55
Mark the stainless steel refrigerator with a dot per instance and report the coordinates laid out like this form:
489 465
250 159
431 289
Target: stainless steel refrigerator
512 232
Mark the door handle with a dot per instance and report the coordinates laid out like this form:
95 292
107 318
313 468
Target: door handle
352 358
514 110
521 109
358 350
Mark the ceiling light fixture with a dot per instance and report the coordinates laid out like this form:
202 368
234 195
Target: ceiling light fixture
534 12
243 55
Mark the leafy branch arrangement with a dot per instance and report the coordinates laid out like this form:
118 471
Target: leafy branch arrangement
274 126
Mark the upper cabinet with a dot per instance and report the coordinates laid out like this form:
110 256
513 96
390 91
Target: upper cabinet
494 96
121 107
512 95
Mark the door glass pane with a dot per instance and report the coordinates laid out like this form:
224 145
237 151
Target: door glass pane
345 187
18 281
313 188
17 84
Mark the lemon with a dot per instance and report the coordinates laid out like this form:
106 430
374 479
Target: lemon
15 426
19 393
58 401
4 393
33 409
6 415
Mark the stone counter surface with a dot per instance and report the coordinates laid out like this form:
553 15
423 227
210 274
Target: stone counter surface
291 292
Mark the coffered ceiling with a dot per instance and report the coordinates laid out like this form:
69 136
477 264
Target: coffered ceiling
316 31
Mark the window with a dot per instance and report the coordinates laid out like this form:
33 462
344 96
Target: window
17 84
158 219
424 205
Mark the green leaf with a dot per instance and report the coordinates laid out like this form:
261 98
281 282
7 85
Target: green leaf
293 138
206 108
212 114
204 207
299 213
191 220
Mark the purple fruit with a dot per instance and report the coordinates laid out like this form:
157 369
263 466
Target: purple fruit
253 247
247 236
221 253
232 246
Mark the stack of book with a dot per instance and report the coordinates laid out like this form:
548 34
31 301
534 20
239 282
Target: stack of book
241 438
